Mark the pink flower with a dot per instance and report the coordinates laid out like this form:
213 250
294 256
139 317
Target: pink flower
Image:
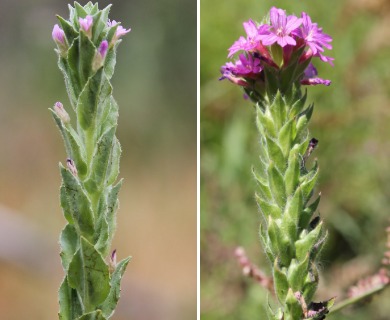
252 40
281 28
313 36
120 31
85 24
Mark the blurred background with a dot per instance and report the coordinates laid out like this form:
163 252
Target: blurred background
351 122
155 86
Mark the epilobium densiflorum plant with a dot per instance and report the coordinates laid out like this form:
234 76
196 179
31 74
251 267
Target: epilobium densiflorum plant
275 59
86 47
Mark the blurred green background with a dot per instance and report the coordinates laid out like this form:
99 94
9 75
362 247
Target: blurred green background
155 86
351 122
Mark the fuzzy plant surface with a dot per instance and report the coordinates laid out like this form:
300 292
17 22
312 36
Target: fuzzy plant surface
86 48
274 61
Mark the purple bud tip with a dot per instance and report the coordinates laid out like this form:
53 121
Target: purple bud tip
61 112
85 24
58 35
120 31
113 255
103 48
71 166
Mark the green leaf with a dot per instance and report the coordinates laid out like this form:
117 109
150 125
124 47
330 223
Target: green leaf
265 124
112 206
70 307
280 282
113 163
294 206
308 213
73 145
87 51
298 102
100 23
278 110
69 242
96 315
81 13
264 240
276 184
302 122
265 192
297 273
110 303
285 137
73 63
70 32
306 244
76 205
93 100
293 305
89 275
291 177
276 155
268 209
71 81
309 183
101 157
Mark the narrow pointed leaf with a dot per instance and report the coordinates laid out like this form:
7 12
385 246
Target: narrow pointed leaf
292 173
110 303
276 155
69 242
276 183
306 244
76 204
297 273
72 145
268 209
70 307
89 275
285 138
280 283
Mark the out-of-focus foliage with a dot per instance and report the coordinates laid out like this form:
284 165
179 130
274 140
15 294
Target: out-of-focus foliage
351 123
155 87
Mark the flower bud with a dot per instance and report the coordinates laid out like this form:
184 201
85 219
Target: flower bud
100 55
59 38
61 112
85 25
71 166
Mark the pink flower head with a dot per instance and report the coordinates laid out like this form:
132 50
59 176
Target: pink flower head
103 49
312 35
252 40
281 28
248 66
310 77
86 23
120 31
58 35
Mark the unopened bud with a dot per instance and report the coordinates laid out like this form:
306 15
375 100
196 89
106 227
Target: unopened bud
86 24
59 38
100 55
61 112
112 262
71 166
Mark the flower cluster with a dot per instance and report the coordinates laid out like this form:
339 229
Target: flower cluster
86 25
286 43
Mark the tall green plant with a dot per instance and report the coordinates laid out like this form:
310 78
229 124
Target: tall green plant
86 48
274 61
